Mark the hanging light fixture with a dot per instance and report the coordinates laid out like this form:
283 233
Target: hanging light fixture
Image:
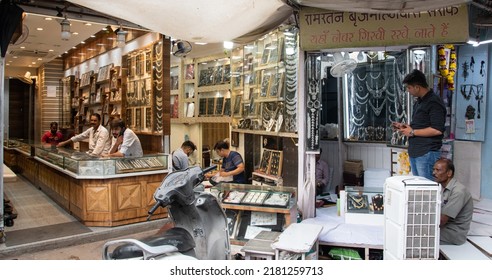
65 29
121 37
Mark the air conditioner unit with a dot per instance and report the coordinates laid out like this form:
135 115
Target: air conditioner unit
412 210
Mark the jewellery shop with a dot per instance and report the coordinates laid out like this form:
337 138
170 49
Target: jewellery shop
355 66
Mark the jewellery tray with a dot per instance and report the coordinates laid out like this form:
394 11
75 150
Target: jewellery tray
233 197
278 199
255 197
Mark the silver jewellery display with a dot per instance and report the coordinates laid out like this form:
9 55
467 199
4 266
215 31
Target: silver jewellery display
376 97
313 103
157 77
290 118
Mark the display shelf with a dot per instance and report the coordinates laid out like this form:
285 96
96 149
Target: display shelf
269 133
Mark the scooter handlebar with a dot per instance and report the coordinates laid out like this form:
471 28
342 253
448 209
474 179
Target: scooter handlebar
152 210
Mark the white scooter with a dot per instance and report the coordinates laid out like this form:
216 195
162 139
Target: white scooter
200 230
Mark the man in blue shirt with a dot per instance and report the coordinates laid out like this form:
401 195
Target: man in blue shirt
425 131
232 163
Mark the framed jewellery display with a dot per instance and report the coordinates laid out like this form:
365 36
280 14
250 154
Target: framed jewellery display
375 98
265 83
148 119
266 53
470 92
227 107
363 205
265 161
357 203
276 160
202 109
190 71
129 117
138 119
237 106
85 79
104 73
219 105
210 106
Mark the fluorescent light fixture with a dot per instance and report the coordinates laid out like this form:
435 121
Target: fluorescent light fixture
476 44
228 45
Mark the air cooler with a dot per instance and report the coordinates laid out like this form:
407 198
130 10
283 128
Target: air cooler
412 209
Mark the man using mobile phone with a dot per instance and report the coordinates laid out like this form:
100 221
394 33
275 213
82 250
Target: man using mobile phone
425 131
125 142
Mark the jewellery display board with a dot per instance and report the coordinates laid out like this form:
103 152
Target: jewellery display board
67 101
214 104
143 94
104 73
377 97
364 200
271 162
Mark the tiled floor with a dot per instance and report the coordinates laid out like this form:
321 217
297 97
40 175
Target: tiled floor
34 208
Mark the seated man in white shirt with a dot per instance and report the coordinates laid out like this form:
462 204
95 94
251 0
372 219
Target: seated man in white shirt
99 141
125 141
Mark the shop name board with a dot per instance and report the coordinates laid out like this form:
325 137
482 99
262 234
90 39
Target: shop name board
323 29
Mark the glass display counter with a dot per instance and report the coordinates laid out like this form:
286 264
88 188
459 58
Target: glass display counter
251 209
97 191
82 164
20 145
363 205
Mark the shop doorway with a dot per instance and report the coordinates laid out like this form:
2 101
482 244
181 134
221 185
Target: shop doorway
21 110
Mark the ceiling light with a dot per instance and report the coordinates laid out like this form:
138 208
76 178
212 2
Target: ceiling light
51 50
48 18
228 45
121 37
200 43
88 24
65 29
476 44
39 29
75 33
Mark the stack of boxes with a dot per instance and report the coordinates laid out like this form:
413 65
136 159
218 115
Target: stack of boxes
353 173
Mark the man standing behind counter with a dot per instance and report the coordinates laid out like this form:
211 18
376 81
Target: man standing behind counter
99 141
125 141
425 131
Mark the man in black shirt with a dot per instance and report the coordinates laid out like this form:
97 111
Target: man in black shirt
425 131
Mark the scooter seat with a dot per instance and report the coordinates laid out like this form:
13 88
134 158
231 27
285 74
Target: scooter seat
177 237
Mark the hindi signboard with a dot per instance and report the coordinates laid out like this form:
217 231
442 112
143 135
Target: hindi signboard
324 29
